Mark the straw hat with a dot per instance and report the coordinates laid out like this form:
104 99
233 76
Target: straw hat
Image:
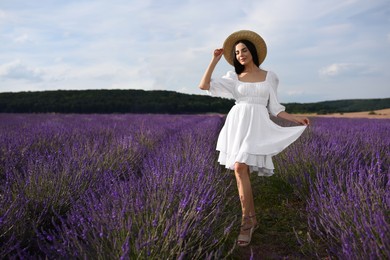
253 37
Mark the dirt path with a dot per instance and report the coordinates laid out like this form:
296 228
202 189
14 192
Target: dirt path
378 114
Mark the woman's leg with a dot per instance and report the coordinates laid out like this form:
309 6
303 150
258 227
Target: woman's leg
241 171
249 222
252 213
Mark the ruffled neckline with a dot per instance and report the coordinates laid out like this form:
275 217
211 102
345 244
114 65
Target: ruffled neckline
256 82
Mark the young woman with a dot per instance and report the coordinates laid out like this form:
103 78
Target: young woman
249 138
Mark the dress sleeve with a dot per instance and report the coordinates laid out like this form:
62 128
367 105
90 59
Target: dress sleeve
274 107
224 86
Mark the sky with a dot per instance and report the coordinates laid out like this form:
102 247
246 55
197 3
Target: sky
320 50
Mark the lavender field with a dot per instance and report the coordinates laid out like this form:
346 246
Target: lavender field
148 187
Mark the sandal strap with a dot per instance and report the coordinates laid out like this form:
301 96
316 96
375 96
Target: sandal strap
248 217
247 224
244 238
246 229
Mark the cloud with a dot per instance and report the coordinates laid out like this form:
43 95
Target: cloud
5 17
294 92
346 69
20 71
21 38
336 29
109 75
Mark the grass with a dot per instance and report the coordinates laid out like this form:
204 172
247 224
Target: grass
281 218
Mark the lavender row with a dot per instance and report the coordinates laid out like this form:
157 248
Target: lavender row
341 168
148 186
96 186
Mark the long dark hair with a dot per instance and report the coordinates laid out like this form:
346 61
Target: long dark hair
252 49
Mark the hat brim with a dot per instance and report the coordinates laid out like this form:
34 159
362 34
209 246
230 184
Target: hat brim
257 40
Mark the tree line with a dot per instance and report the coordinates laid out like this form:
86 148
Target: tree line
339 106
141 101
111 101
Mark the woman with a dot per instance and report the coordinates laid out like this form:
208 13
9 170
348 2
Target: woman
249 138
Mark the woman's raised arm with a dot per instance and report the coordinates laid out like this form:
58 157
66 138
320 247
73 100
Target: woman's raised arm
205 81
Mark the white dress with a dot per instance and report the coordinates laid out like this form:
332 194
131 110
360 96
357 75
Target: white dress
249 135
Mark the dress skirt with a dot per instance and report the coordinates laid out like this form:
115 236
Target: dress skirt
249 136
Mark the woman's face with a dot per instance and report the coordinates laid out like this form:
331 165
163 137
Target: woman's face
243 55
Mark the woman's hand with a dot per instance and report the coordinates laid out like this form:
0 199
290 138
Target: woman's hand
217 54
205 81
302 120
296 119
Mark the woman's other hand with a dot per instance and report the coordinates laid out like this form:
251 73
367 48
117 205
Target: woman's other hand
302 120
296 119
